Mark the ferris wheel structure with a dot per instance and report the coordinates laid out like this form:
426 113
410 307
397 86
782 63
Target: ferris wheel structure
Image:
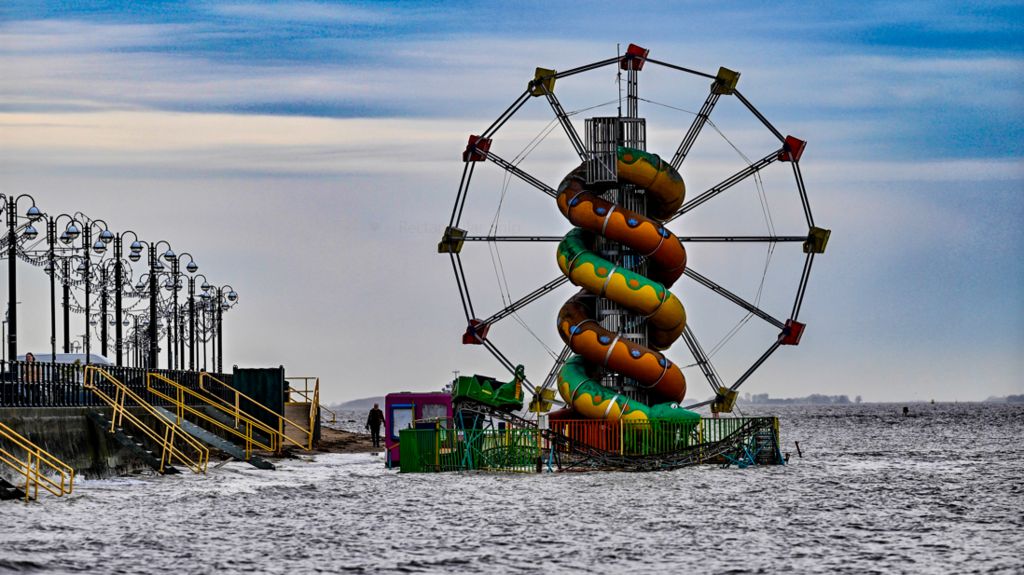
623 254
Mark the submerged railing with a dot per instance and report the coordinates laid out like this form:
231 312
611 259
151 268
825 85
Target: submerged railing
603 444
182 399
447 449
240 404
175 444
36 465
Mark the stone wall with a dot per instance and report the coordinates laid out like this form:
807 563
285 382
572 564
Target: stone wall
66 433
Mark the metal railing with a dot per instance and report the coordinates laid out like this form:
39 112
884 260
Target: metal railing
216 387
640 438
590 444
310 393
182 401
35 465
46 384
445 449
175 443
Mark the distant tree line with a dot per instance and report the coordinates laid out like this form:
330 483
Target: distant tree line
1007 399
815 399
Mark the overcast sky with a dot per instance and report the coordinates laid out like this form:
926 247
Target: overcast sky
308 154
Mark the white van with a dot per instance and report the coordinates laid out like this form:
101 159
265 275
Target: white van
94 358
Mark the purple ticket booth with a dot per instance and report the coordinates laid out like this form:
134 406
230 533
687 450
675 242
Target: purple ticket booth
402 409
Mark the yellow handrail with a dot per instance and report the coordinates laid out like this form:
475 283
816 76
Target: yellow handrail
31 466
314 406
305 394
181 407
282 421
172 433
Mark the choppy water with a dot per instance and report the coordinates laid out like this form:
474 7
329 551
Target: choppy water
875 492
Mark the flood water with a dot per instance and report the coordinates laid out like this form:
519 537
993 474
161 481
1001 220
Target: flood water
941 491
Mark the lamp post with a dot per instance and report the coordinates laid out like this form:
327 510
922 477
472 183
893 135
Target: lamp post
174 285
104 237
119 321
229 294
71 232
192 355
155 267
33 213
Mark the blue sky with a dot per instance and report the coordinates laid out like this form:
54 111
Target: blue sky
309 151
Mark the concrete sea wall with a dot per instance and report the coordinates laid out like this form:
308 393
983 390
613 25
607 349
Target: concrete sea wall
69 435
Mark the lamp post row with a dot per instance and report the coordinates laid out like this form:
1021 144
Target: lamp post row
86 227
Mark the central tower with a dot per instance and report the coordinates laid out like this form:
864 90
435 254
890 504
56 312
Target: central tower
604 136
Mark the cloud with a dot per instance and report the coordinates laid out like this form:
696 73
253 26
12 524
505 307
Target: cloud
308 153
311 12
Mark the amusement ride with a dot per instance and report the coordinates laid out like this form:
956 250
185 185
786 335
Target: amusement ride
614 372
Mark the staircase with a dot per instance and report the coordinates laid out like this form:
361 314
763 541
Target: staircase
216 441
767 446
37 467
9 491
172 443
132 443
228 422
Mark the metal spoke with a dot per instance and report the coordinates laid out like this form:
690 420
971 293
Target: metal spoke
680 68
587 67
803 286
702 359
728 183
695 128
525 300
693 406
704 281
756 365
742 239
563 119
513 238
684 239
507 363
803 194
759 116
508 113
521 174
468 175
549 381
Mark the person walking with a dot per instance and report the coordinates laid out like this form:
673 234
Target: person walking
373 423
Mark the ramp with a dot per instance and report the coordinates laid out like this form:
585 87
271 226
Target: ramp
217 442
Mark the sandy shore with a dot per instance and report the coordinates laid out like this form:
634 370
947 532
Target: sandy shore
338 441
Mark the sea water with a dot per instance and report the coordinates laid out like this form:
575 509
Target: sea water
941 491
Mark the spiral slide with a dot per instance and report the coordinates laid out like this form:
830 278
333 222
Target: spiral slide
648 297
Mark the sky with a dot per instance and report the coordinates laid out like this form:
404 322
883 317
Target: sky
308 154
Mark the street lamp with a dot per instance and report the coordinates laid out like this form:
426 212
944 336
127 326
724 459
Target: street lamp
70 233
192 357
99 247
33 214
226 298
174 284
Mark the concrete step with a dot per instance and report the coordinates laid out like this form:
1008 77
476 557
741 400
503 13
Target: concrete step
147 455
299 413
216 441
229 421
9 491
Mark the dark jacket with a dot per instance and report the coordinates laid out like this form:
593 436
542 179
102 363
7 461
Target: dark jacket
376 418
